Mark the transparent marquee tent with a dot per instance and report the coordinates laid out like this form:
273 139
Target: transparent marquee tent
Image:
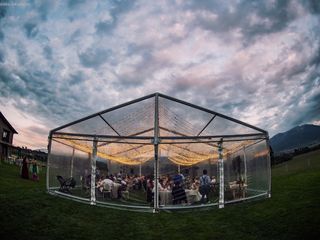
153 151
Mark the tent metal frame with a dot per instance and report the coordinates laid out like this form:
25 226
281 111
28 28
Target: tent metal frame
155 140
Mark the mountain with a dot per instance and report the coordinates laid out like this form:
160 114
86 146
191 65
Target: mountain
297 137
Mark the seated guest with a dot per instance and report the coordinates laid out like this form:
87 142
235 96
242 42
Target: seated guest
166 183
135 182
105 184
195 184
160 186
213 183
122 188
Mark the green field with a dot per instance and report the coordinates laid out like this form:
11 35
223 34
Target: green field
293 212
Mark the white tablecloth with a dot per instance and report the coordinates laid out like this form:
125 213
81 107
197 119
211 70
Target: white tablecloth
115 188
165 197
193 196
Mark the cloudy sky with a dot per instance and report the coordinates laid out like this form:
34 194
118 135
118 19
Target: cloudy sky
257 61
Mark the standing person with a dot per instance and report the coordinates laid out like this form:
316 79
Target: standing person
34 170
24 169
178 178
149 186
204 186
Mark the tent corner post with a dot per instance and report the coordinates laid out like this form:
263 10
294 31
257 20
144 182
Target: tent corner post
93 172
48 161
221 175
156 154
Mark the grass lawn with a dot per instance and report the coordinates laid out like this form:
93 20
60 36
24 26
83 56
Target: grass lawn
293 212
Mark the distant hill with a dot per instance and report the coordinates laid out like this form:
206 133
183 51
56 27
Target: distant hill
297 137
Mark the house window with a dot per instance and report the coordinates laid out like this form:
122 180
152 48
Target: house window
5 135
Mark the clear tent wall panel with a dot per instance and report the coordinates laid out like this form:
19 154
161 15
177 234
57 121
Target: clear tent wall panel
72 159
189 160
134 119
81 173
92 126
129 162
246 172
223 126
258 167
134 193
60 159
131 120
177 119
234 172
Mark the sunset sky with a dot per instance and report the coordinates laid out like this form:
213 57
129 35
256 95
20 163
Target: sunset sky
257 61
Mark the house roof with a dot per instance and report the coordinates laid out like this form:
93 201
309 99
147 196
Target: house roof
7 123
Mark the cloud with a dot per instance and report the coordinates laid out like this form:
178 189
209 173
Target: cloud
257 61
103 27
1 36
93 58
76 78
3 11
2 55
47 51
251 18
313 6
116 9
43 8
75 3
31 29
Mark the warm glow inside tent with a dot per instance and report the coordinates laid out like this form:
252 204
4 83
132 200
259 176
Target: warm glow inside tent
144 145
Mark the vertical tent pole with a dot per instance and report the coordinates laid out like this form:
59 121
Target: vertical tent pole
156 163
268 167
48 160
245 164
140 172
221 175
93 172
72 159
156 150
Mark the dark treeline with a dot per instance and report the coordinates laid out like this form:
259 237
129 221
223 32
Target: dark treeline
286 156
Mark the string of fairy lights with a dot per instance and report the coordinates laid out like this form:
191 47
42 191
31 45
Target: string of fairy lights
127 154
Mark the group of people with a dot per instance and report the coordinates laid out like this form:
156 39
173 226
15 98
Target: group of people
29 167
109 182
177 184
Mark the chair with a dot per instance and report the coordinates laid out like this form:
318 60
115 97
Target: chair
66 184
125 194
107 191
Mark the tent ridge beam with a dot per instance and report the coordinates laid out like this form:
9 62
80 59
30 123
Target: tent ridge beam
214 136
105 136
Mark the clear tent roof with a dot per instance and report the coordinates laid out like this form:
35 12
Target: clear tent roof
187 133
